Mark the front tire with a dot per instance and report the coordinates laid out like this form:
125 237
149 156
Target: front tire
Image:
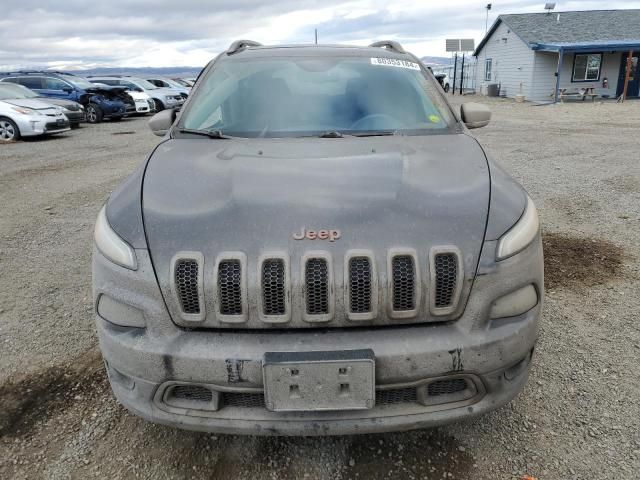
9 131
446 87
159 105
94 114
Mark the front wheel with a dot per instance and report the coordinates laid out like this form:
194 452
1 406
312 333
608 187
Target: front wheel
9 131
94 114
446 87
159 105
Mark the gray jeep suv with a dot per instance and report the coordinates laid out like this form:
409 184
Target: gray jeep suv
318 246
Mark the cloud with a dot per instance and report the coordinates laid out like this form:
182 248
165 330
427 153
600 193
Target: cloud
138 33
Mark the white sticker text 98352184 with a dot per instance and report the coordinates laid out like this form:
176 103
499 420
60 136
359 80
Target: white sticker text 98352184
394 62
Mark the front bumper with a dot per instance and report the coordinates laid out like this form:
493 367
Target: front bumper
143 106
75 117
143 362
34 125
111 110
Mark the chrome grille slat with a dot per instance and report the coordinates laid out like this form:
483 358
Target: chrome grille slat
229 287
186 281
273 287
317 286
446 279
446 266
403 274
360 280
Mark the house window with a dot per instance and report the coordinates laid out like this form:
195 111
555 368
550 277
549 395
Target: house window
487 69
586 67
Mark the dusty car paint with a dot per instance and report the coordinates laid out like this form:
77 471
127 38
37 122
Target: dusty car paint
249 199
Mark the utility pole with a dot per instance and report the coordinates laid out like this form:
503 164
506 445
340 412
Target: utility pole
462 74
316 30
455 69
486 22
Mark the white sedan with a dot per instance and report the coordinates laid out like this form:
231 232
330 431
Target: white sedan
26 117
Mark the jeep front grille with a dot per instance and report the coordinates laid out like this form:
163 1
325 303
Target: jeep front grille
186 282
403 283
446 265
273 287
317 286
229 287
360 284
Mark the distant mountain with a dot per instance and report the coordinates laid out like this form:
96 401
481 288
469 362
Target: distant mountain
143 71
431 61
186 72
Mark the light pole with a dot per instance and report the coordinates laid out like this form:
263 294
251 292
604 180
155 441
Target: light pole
486 22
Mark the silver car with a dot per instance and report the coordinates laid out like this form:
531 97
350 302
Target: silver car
27 117
162 97
318 246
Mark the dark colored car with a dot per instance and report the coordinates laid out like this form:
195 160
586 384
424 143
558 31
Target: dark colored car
73 110
100 103
318 246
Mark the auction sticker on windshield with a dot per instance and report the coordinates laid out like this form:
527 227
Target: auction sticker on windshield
394 62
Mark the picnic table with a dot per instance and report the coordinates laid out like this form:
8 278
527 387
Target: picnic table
579 93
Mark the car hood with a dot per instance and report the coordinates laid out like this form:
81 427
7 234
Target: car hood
61 102
162 91
138 95
106 90
251 196
33 103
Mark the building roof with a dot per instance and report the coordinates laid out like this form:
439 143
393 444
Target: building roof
586 28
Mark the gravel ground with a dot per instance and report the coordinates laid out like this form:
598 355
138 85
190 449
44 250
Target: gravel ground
578 417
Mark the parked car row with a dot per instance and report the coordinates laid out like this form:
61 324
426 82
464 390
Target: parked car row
47 102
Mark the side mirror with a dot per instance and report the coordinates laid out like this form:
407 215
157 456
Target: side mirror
161 122
67 90
475 115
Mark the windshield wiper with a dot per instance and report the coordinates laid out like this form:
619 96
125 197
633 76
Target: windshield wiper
381 133
215 134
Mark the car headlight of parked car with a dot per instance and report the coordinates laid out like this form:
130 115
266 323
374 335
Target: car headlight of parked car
521 234
26 111
111 245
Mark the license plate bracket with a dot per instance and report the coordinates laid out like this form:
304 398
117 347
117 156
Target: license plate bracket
319 381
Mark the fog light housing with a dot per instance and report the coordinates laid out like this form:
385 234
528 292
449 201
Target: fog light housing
120 313
515 303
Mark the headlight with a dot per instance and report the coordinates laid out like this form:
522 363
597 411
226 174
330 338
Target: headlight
26 111
521 234
111 245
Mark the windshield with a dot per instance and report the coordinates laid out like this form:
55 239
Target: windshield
144 84
302 96
173 83
78 82
8 91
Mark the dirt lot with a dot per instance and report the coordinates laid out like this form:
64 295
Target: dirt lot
578 417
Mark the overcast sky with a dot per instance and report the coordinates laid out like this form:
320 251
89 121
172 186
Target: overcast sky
159 33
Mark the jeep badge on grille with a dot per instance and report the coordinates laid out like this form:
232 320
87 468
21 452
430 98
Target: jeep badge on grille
331 235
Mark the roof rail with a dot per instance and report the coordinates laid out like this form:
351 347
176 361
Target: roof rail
240 45
390 44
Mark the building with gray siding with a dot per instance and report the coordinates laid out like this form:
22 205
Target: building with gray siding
541 55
